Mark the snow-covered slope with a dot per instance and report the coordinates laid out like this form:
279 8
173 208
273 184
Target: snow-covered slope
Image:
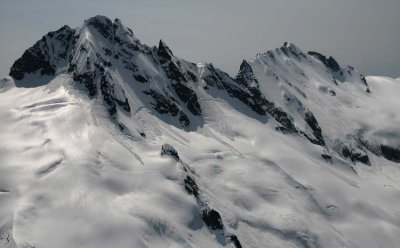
332 106
109 142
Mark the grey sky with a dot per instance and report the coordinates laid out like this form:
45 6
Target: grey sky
362 33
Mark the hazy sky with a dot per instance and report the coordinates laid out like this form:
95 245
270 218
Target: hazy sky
362 33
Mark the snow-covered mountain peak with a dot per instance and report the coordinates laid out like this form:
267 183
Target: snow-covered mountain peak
290 47
164 49
307 87
290 63
246 75
107 61
108 142
115 31
330 62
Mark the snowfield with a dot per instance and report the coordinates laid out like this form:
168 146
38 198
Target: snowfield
120 169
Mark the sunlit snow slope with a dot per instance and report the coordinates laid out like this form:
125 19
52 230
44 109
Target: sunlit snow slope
107 142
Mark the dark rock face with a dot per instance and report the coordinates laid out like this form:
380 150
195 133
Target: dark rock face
283 130
363 158
313 124
362 145
31 61
174 71
103 25
164 53
223 81
124 105
108 92
163 105
355 155
212 219
184 119
391 153
364 81
217 78
281 116
291 51
249 93
234 239
94 75
64 36
173 66
140 78
191 186
328 62
43 57
255 103
169 150
88 80
246 74
192 76
326 157
189 97
256 100
166 106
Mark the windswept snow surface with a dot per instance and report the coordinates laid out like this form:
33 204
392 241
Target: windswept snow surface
74 174
70 178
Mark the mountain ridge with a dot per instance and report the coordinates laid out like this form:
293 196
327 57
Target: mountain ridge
91 59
